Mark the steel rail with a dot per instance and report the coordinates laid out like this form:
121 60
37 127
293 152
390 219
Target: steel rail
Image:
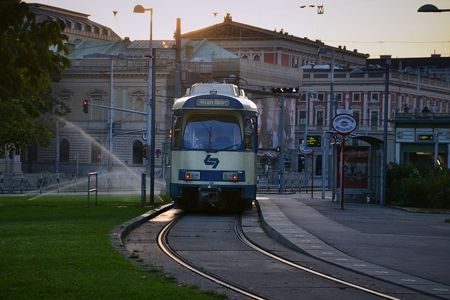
164 246
240 234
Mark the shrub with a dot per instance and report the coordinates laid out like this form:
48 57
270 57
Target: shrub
406 185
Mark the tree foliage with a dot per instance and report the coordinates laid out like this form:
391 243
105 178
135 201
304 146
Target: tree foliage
31 58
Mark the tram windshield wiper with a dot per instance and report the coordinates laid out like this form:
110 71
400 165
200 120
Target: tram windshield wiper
229 147
214 150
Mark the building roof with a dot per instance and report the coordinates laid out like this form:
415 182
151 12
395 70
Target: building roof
229 30
435 60
205 51
97 48
78 25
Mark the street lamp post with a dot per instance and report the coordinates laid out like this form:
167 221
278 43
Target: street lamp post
385 132
332 109
150 120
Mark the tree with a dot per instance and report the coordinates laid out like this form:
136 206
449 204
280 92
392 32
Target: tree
31 58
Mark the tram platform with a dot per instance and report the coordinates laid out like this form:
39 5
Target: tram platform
406 248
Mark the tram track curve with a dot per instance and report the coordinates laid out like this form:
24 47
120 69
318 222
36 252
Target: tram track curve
164 246
163 243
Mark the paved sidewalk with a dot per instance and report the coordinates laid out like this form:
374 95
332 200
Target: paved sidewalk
409 249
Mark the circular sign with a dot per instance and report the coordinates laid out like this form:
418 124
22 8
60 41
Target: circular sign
344 123
304 150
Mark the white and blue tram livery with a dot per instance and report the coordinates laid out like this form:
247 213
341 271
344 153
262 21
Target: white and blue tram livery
213 148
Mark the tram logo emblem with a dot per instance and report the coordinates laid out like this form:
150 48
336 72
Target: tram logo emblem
209 161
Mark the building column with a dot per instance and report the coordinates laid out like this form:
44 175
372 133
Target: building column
397 152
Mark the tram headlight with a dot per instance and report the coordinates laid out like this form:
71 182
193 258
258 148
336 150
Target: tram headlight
191 175
230 176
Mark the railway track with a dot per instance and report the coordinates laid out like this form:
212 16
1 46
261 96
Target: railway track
264 257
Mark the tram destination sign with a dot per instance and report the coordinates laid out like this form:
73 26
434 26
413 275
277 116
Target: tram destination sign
205 102
344 124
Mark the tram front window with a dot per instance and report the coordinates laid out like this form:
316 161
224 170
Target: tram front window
212 133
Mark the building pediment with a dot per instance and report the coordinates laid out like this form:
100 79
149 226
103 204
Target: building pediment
234 30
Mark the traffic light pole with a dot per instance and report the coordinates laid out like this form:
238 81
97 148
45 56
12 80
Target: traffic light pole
117 108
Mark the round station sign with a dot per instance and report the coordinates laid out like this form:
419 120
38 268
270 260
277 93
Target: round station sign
344 124
305 151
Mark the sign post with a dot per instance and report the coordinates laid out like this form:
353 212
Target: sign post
344 124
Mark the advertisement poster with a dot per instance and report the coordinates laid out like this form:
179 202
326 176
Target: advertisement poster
356 162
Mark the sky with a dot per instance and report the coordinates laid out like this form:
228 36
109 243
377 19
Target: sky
374 27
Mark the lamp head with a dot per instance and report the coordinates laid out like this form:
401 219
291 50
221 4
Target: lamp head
139 9
428 8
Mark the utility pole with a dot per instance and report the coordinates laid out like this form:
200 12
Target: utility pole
385 132
281 144
177 81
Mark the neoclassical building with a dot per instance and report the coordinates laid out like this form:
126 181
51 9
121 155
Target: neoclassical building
112 74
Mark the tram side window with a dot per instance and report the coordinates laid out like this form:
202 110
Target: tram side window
177 125
250 133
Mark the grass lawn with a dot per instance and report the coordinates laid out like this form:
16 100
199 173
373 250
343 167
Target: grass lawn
55 247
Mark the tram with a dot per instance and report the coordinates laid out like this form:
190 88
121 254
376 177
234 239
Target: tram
213 149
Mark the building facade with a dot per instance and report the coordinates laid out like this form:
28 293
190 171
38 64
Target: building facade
112 74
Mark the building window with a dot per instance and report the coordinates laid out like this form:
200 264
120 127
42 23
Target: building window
88 28
78 26
302 118
303 97
319 118
257 57
374 118
338 97
356 97
374 96
321 75
97 97
295 62
321 96
244 56
138 154
64 150
357 116
96 152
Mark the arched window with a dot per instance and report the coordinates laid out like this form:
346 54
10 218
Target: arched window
64 150
256 57
96 152
138 155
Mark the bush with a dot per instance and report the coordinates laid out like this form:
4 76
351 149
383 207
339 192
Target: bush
407 185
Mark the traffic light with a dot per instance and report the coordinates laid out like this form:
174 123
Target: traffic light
85 106
144 150
285 90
